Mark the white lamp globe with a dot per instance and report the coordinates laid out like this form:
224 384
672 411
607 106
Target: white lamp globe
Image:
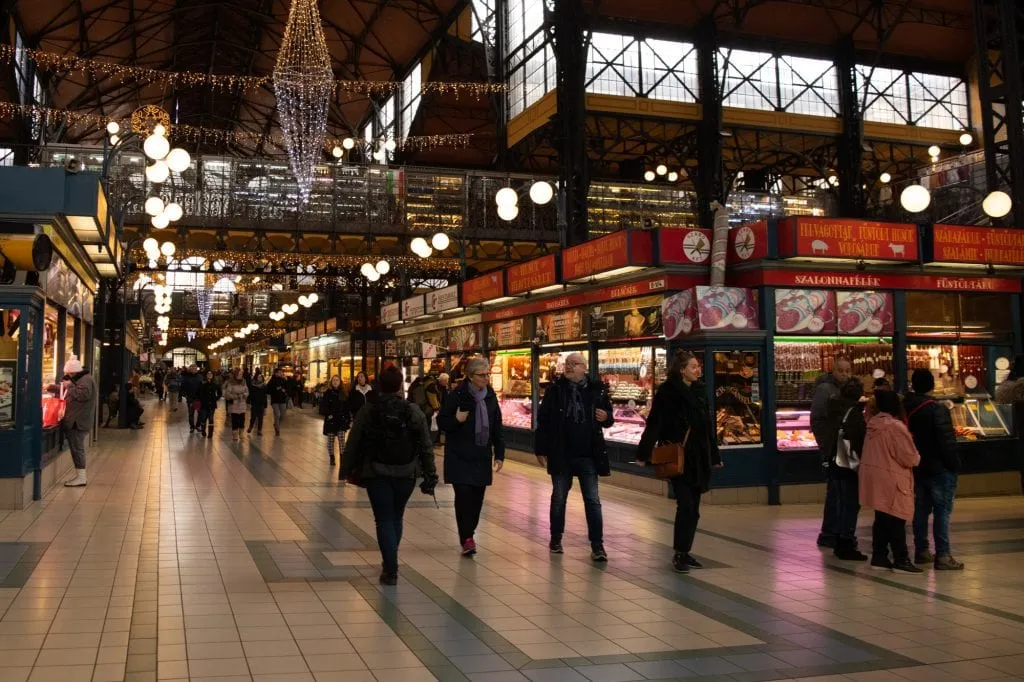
178 160
390 145
173 212
303 301
661 169
383 267
167 248
508 212
160 221
154 206
934 150
337 152
885 178
425 253
348 143
966 139
156 147
113 128
365 269
160 130
418 245
379 155
373 276
915 198
506 196
541 192
649 176
314 297
833 180
114 139
158 172
673 176
440 241
997 204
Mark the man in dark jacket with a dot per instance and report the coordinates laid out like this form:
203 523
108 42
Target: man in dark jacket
277 389
190 383
570 443
79 414
935 478
388 474
846 423
827 388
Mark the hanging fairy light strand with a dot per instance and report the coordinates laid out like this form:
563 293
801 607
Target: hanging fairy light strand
250 260
99 69
218 136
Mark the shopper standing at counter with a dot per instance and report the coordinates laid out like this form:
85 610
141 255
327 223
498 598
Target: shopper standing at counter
80 394
570 443
935 478
826 389
681 414
848 426
471 420
1011 392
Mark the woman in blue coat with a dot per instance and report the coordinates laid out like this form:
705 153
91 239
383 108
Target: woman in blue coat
474 445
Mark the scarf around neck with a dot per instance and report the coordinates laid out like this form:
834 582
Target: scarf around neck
576 409
483 426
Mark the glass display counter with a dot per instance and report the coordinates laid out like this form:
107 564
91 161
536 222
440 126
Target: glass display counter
512 381
551 364
632 374
737 397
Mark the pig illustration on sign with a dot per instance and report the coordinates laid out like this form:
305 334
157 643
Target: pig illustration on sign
818 246
898 249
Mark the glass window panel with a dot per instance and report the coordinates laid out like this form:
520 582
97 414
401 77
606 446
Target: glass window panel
938 101
808 86
9 323
669 70
612 65
516 91
738 397
515 23
535 81
886 94
411 98
482 21
750 79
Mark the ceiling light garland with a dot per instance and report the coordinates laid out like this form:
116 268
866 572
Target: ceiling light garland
99 69
218 136
252 260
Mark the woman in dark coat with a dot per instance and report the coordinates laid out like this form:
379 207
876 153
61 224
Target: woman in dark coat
336 416
471 420
680 412
257 402
360 395
209 394
846 412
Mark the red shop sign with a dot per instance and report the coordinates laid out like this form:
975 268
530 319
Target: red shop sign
850 280
980 245
616 250
812 237
533 274
485 288
683 246
642 287
748 243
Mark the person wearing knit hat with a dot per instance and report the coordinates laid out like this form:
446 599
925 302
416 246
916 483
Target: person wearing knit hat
79 391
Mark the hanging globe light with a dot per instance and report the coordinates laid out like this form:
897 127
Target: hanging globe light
934 150
885 178
173 212
167 248
373 276
508 212
418 245
541 192
966 139
673 176
427 252
997 204
178 160
506 196
156 147
440 241
383 267
114 139
337 152
113 127
154 206
160 221
158 172
661 169
160 130
915 198
314 297
364 269
649 176
348 143
390 145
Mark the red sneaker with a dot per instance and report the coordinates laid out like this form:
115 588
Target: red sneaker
469 547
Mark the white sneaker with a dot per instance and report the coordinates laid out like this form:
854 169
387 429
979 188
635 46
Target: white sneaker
77 481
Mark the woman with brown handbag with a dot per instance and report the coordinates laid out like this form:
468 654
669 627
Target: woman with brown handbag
680 414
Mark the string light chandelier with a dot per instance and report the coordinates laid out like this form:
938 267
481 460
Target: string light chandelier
303 83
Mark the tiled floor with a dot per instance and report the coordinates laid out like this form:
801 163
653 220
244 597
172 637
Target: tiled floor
205 560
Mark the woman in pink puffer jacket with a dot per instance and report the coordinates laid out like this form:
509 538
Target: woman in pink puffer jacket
887 483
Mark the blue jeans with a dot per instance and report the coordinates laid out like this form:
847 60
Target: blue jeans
934 494
205 415
388 497
584 470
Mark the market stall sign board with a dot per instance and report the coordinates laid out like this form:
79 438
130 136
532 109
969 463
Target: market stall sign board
413 307
976 245
683 246
390 314
850 280
839 238
615 251
485 288
534 274
748 243
440 300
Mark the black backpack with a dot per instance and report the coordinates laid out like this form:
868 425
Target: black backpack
393 441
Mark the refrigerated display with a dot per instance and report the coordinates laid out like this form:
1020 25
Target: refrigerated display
631 374
958 370
737 397
511 380
551 365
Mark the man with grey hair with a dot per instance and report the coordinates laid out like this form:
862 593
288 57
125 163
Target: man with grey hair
570 442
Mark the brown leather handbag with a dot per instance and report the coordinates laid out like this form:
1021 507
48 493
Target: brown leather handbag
669 458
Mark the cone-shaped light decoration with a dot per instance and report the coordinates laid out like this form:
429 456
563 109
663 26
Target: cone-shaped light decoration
303 84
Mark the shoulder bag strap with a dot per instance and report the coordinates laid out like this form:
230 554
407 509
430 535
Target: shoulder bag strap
914 411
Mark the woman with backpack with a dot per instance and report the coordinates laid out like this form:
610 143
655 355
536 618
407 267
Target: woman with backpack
387 450
846 420
334 410
474 445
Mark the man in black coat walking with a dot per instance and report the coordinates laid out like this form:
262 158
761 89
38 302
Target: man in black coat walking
190 383
570 443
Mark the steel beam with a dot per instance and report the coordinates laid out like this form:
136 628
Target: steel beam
710 180
851 140
570 46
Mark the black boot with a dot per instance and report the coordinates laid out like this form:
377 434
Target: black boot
846 549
